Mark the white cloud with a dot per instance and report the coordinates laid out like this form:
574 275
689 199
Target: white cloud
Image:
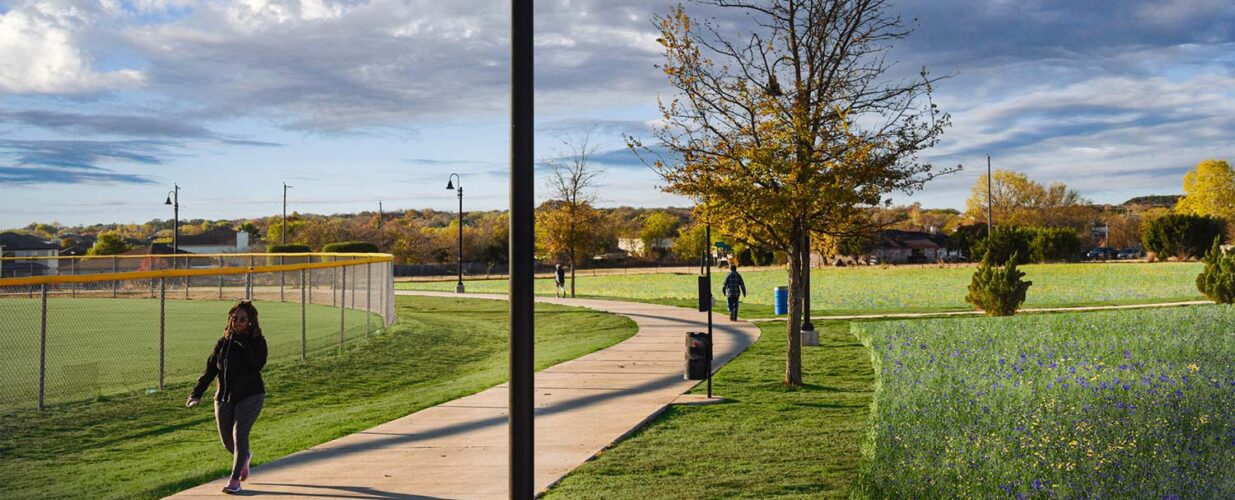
40 54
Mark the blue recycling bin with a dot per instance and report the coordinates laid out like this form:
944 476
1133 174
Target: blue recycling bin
780 297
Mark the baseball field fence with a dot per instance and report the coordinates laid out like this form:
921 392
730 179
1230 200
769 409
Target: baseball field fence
84 328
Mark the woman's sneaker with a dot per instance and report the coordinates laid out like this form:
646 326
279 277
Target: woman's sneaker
244 471
233 486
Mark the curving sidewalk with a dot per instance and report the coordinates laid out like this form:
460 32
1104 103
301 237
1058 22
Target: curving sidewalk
458 449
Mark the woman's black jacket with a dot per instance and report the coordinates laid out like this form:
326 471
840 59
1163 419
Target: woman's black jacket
237 362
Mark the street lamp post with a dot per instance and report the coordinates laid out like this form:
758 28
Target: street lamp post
173 199
451 185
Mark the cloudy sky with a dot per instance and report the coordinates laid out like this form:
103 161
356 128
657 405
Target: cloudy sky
105 104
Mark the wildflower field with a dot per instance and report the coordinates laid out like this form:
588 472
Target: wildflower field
855 290
1118 404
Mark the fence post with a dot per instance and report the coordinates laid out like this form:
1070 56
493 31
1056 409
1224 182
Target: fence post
334 278
282 275
187 279
342 312
368 290
355 282
310 281
115 283
303 347
162 325
249 280
72 272
43 348
222 264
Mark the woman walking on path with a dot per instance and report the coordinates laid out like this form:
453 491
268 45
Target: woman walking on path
237 361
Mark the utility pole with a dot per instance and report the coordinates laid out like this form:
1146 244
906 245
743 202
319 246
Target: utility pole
990 219
283 235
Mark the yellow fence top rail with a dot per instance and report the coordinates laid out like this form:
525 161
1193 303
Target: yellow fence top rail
192 256
180 273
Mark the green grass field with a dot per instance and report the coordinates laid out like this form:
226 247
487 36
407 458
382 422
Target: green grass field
765 441
140 445
869 290
103 346
1111 404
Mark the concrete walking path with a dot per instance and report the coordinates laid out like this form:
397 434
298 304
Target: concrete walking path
459 449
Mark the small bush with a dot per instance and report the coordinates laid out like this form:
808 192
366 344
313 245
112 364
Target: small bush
350 247
1051 244
998 290
1217 280
1006 242
289 248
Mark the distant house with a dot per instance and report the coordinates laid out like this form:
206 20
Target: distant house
23 245
634 246
911 247
221 240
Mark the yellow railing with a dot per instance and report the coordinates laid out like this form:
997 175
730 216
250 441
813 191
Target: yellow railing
353 259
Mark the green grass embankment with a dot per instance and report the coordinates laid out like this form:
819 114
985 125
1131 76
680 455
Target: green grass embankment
148 445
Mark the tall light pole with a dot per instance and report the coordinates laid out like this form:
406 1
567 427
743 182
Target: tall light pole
450 185
283 233
173 199
522 253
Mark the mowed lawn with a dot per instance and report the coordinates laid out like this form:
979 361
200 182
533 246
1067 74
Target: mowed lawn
1111 404
102 346
766 440
870 290
141 445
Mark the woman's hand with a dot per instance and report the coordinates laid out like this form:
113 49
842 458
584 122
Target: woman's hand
191 402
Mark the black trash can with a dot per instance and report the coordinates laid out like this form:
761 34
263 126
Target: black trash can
698 355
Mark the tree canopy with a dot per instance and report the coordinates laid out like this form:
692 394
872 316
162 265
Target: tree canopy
1209 189
769 162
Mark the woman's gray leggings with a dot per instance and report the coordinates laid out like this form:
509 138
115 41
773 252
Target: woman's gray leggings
235 421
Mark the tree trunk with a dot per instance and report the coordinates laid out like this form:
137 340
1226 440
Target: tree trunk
572 275
793 359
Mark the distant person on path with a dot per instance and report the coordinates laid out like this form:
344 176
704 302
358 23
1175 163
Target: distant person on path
559 278
733 286
237 361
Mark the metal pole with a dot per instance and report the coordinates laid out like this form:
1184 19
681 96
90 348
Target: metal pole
522 243
459 286
334 278
990 219
43 347
342 312
368 289
248 281
310 282
162 326
188 280
115 284
303 327
222 264
354 283
707 257
281 279
73 272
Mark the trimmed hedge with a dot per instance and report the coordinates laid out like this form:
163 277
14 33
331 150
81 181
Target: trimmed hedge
1030 244
289 248
351 247
1051 244
1182 235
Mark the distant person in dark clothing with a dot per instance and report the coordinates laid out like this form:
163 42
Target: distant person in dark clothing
559 279
733 286
236 361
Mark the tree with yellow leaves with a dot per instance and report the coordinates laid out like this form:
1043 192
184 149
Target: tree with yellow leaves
769 164
1209 189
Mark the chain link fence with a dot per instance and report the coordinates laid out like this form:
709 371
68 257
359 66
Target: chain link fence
90 327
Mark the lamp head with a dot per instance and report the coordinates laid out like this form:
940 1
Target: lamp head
169 200
450 185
